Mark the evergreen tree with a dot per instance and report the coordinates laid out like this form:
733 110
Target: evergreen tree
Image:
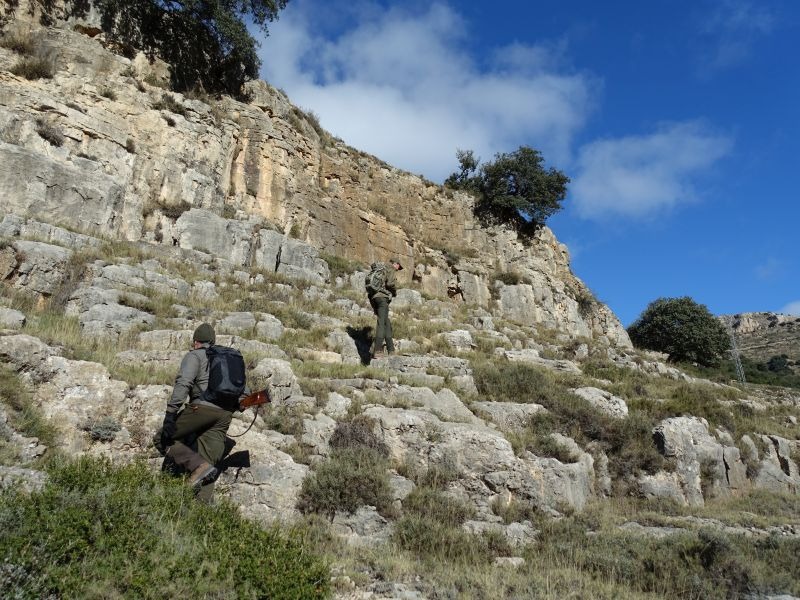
682 328
515 188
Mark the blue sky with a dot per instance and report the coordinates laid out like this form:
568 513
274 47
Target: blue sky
677 121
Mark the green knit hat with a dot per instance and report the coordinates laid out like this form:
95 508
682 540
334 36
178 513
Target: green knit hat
204 334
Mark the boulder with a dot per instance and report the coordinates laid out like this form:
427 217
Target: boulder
269 327
11 319
531 356
237 323
199 229
41 268
277 376
407 297
697 454
509 416
267 489
112 320
459 339
604 401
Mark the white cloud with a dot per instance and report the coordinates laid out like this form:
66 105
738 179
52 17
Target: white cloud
733 28
402 85
793 308
771 268
639 176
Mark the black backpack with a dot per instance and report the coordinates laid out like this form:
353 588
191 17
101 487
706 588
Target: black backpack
226 377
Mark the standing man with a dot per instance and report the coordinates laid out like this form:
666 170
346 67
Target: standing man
381 284
202 424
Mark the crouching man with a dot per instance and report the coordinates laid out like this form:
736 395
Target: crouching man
194 438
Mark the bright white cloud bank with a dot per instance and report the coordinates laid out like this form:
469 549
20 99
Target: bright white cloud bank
638 176
793 308
403 86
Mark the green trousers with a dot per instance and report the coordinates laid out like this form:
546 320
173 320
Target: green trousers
206 426
209 426
383 329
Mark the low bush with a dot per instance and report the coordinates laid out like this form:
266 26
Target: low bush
627 442
19 42
433 504
518 382
283 419
167 102
34 67
431 539
348 479
23 415
436 475
340 266
694 564
50 133
516 511
97 531
107 92
358 433
103 429
509 277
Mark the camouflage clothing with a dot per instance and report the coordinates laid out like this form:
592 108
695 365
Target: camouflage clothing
379 300
389 290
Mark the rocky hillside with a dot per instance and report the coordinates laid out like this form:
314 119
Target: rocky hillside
760 336
516 446
101 147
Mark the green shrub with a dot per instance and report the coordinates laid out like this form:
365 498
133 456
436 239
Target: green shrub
23 414
97 531
628 442
340 266
168 102
516 511
515 188
34 67
103 429
433 504
509 277
358 433
432 539
107 92
436 475
517 382
21 43
50 133
682 328
283 419
348 479
173 209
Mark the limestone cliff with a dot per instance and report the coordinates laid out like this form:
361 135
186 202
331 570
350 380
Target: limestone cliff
762 335
103 148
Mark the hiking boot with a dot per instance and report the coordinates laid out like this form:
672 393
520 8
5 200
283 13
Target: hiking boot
202 474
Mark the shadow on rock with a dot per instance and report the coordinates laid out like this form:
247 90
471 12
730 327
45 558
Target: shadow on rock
362 336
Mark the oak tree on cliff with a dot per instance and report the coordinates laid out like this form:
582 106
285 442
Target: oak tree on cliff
515 188
206 42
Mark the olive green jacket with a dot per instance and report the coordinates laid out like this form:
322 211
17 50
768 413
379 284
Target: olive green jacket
389 290
191 381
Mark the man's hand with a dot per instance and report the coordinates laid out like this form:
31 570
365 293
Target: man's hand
168 430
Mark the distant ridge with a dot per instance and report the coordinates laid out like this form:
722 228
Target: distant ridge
762 335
